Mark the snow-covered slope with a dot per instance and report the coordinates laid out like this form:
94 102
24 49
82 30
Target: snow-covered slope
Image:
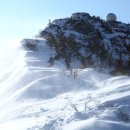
34 96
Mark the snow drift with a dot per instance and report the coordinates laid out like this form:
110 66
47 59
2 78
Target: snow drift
34 96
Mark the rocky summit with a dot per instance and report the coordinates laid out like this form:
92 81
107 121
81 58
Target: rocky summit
89 41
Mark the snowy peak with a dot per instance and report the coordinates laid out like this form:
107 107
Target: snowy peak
91 41
35 96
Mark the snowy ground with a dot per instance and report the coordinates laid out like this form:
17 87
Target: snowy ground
34 96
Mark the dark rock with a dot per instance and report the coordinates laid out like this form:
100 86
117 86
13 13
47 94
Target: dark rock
51 61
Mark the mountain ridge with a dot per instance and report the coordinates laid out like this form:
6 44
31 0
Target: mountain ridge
91 41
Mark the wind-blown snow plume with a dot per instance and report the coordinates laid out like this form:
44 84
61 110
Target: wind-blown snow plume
34 96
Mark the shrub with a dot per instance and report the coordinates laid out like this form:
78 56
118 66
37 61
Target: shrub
29 44
122 115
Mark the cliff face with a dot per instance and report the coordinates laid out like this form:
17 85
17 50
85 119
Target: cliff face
91 41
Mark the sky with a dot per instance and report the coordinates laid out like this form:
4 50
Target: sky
25 18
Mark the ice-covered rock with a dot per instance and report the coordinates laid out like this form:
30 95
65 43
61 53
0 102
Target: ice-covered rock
91 41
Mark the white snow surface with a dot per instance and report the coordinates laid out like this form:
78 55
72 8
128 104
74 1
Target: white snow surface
34 96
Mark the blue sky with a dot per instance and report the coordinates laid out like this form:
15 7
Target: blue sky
24 18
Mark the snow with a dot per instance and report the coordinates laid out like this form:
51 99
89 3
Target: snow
93 124
60 22
108 36
37 97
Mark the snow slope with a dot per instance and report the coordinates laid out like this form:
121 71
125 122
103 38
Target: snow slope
34 96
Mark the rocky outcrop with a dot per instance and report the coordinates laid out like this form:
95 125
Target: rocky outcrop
91 41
